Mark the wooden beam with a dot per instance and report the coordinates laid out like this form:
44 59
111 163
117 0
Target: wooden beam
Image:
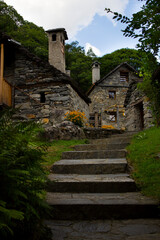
1 72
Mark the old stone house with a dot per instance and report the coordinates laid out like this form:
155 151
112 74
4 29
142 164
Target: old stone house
138 113
41 91
108 95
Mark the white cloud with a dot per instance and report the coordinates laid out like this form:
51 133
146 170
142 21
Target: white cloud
73 15
94 49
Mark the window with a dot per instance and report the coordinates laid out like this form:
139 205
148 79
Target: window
54 37
113 117
42 97
124 76
112 94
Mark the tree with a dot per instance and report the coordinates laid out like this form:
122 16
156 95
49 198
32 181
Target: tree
27 33
110 61
90 53
79 64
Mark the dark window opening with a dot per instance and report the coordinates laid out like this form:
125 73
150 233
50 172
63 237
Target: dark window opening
54 37
124 76
42 97
112 94
9 57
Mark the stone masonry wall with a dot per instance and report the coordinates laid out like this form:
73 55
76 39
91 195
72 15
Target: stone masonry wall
133 120
101 103
31 79
77 103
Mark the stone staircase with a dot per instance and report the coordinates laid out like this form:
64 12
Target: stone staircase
93 182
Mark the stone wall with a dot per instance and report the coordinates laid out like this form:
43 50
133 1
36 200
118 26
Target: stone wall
58 101
77 103
101 103
138 112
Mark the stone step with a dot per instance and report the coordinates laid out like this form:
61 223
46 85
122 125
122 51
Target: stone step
102 146
98 154
90 166
125 134
111 140
71 206
102 183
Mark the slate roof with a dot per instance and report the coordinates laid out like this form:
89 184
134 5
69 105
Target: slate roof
57 74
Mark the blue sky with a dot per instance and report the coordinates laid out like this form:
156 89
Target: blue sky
85 21
106 36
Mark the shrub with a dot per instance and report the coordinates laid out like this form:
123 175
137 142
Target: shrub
22 205
77 117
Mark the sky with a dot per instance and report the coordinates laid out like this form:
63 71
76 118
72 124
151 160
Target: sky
85 21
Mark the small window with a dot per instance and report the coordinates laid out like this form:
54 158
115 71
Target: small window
124 76
113 117
112 94
54 37
42 97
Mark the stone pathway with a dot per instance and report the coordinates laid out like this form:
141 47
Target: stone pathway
90 187
139 229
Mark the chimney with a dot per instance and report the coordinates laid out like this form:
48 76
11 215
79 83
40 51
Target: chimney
56 40
95 72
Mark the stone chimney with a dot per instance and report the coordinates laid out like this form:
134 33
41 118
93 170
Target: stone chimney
56 40
95 72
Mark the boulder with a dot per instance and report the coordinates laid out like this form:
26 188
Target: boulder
65 130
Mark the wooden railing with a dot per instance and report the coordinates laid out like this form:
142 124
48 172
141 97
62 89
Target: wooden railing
6 93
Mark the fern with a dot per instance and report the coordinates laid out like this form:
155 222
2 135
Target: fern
22 179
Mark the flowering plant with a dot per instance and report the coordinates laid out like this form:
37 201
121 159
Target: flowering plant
108 127
77 117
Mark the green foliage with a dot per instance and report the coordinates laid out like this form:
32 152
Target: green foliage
151 87
112 60
143 154
79 64
22 204
143 25
27 33
10 19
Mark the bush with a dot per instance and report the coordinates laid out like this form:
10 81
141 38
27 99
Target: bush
77 117
22 180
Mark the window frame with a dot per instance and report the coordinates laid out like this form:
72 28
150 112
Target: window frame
124 76
110 94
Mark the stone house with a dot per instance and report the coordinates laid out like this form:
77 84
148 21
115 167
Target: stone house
41 91
138 112
108 95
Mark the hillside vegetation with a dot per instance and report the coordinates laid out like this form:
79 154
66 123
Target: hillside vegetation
144 156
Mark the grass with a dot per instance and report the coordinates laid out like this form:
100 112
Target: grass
144 156
55 149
